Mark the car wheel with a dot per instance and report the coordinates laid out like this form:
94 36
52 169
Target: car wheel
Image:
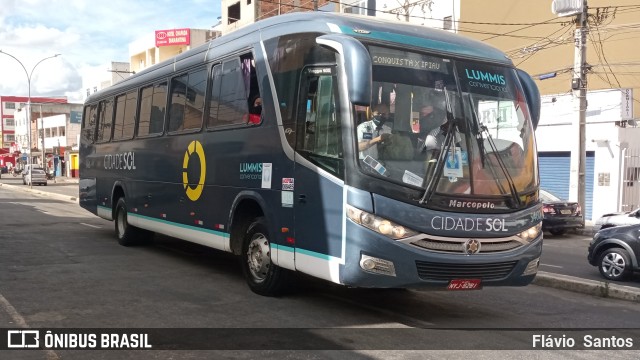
615 264
128 235
558 232
262 275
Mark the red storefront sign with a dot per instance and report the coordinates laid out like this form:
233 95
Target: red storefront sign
173 37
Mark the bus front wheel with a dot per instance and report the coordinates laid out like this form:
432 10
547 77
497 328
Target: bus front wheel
128 235
262 275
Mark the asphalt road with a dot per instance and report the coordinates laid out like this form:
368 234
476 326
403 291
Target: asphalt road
60 267
567 255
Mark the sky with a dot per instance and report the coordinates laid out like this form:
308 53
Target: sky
88 35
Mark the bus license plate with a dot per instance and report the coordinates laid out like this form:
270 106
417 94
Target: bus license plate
465 284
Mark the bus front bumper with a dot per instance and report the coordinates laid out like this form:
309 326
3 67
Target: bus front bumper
373 260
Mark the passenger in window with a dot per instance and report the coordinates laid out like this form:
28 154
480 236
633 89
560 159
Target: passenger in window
374 132
432 120
255 109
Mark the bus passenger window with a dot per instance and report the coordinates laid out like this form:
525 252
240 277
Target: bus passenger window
215 96
152 109
89 121
233 101
105 119
178 99
125 115
194 106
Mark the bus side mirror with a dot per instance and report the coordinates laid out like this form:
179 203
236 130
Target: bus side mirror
357 65
532 94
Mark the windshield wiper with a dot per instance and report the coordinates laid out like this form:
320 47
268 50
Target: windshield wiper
483 151
444 150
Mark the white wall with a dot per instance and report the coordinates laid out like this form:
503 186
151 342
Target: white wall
558 131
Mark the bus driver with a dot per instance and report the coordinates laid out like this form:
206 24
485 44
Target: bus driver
373 132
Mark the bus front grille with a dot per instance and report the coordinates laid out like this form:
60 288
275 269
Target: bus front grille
449 271
456 245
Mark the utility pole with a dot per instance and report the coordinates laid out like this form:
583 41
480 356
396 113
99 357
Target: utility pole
577 175
579 87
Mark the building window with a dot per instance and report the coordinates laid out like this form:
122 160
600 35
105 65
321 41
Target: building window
633 175
248 2
9 122
356 8
233 13
447 23
10 105
61 131
604 179
9 138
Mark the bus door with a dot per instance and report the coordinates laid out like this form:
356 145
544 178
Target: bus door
319 174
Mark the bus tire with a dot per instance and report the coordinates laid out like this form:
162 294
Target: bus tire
128 235
262 276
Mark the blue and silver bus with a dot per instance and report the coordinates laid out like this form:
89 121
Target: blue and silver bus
383 155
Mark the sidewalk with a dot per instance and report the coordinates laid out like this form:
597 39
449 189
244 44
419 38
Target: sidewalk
67 179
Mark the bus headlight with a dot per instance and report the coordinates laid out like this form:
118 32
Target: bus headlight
378 224
530 234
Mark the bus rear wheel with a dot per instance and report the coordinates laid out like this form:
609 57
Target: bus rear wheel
262 275
128 235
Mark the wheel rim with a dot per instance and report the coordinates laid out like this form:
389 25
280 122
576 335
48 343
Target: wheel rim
122 221
259 257
613 265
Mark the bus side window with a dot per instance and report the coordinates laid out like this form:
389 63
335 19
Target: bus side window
105 120
89 121
152 108
232 104
125 115
194 106
178 100
214 92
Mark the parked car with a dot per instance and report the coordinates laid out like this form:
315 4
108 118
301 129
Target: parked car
25 171
616 251
617 219
37 176
560 215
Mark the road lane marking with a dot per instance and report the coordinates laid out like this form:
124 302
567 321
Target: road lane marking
555 266
22 323
93 226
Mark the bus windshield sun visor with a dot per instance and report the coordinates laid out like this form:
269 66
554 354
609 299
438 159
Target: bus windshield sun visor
357 65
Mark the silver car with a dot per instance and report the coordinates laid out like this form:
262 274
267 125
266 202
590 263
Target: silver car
35 176
617 219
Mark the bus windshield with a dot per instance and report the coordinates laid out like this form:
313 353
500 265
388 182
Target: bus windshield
446 126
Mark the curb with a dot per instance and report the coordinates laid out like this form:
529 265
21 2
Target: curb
43 193
585 286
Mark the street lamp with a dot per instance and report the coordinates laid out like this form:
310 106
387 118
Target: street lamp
29 75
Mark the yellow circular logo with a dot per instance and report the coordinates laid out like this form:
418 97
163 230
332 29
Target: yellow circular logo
194 193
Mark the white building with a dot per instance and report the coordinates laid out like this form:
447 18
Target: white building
164 44
432 13
612 145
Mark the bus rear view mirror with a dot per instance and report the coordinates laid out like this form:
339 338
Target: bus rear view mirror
532 94
357 65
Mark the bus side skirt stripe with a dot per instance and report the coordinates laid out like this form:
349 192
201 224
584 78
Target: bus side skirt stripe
214 239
